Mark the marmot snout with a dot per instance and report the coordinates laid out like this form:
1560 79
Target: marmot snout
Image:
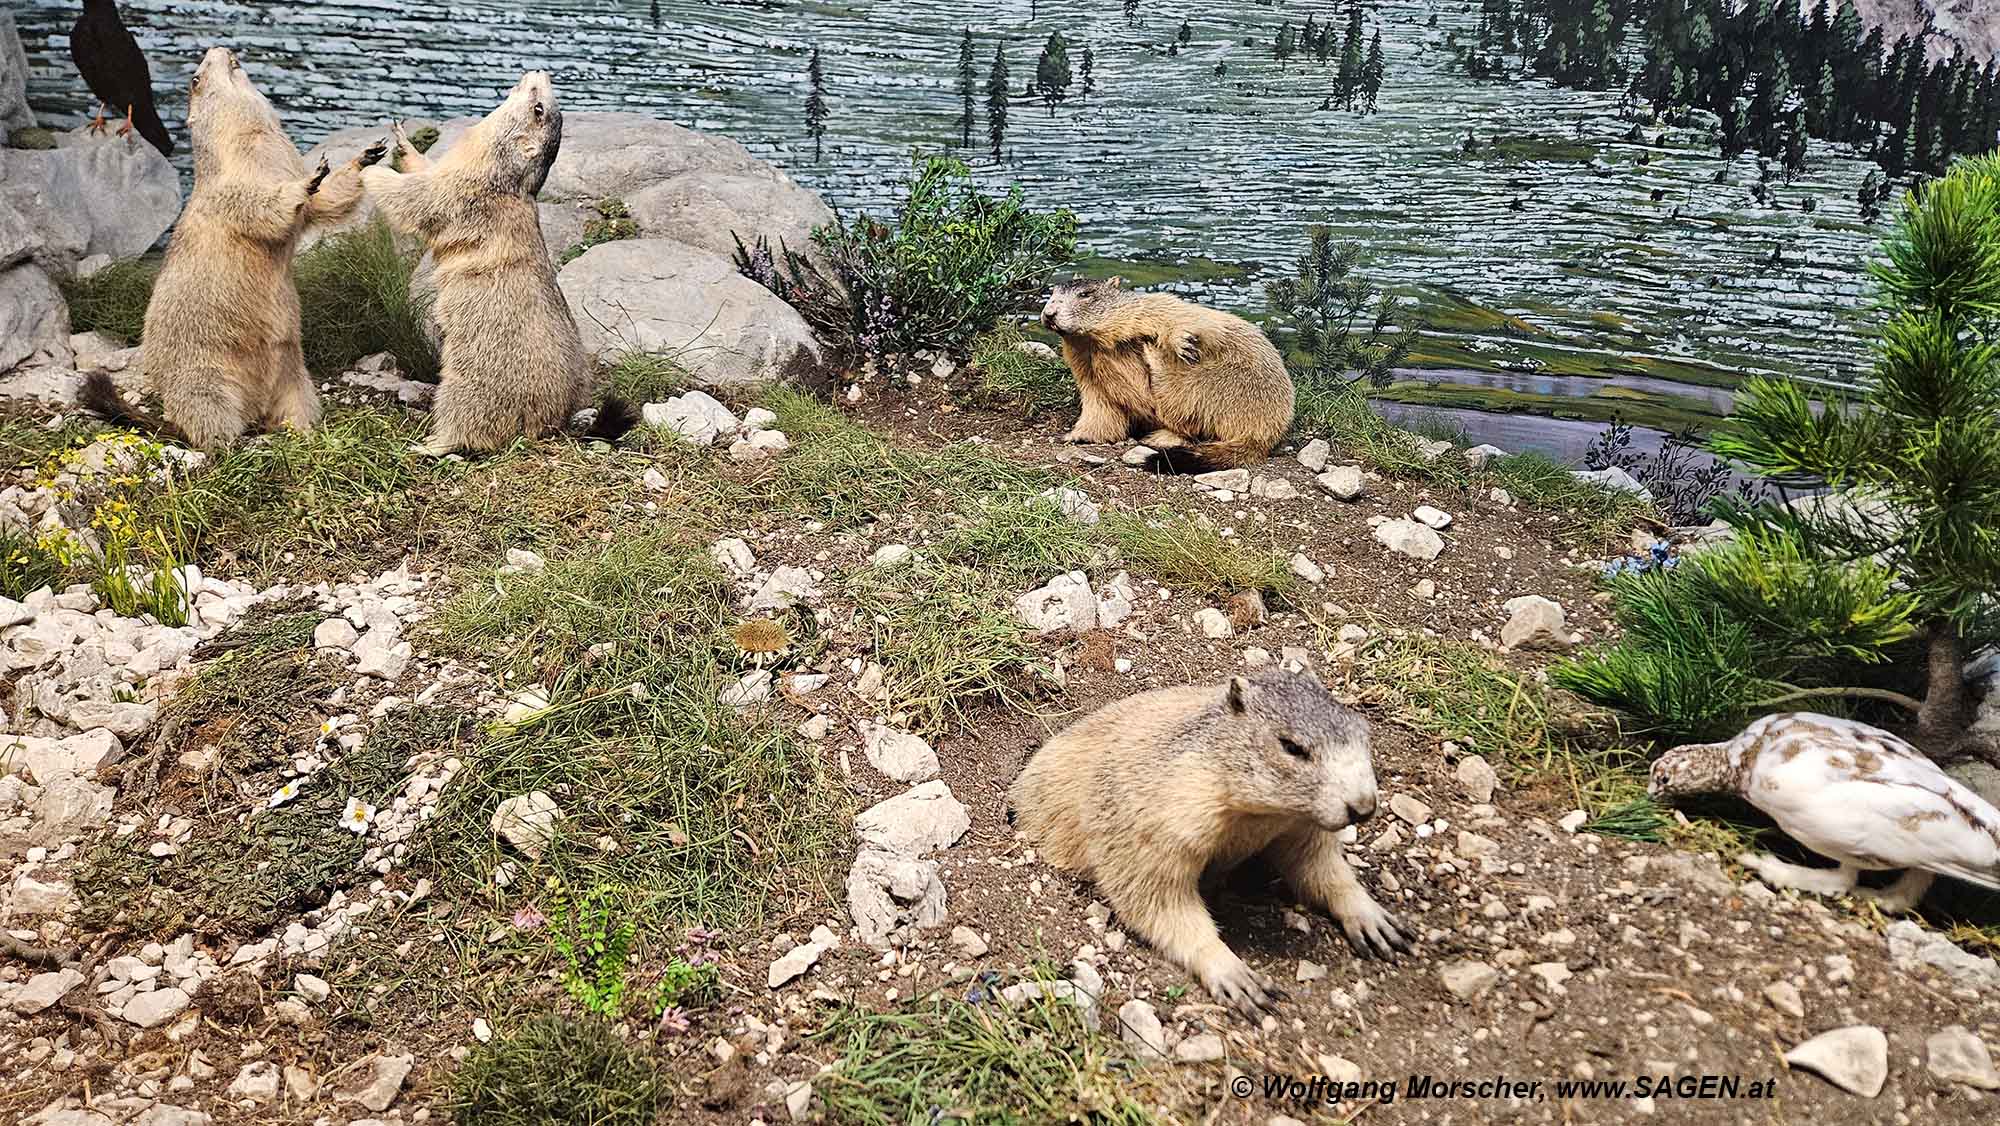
1148 794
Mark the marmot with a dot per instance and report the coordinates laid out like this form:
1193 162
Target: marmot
222 325
1205 388
1150 793
513 363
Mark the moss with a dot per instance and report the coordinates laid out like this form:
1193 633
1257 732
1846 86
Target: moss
32 137
558 1069
612 224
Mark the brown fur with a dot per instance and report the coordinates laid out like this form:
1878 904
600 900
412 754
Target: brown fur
1148 794
1206 388
513 363
222 326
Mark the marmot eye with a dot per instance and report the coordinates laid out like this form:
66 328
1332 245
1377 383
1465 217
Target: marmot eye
1293 749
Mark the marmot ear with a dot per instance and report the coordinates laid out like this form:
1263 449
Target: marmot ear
1238 695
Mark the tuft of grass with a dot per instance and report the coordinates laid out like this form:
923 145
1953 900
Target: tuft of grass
342 490
1347 420
1016 537
1036 385
1193 555
32 137
1589 511
645 377
112 300
613 223
689 811
558 1069
845 473
356 299
987 1063
1450 690
946 636
421 139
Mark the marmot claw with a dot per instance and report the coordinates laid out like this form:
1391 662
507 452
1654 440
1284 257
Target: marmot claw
1246 991
1189 348
1377 934
312 185
371 154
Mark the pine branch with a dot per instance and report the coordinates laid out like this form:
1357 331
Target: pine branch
1907 703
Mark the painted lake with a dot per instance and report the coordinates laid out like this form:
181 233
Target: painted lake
1569 266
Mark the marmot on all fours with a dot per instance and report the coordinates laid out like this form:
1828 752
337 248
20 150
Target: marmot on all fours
1148 794
222 326
513 363
1205 388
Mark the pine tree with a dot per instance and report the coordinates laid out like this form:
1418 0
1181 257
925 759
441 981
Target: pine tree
1372 73
968 73
1917 459
1349 79
1285 45
1131 12
1186 35
1089 73
996 99
816 111
1052 73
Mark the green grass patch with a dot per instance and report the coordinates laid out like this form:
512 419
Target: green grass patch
845 473
986 1063
1671 413
112 300
1016 538
559 1069
251 875
645 377
1527 149
947 637
1191 554
1143 273
1034 385
612 223
1349 422
1587 511
707 816
356 299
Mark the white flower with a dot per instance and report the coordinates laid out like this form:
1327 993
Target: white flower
284 793
357 817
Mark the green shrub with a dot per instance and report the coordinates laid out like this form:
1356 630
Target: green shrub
1738 627
112 300
556 1069
1335 328
949 263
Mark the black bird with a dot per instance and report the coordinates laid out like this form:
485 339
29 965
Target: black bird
109 60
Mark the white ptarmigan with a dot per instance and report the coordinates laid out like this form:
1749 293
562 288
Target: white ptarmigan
1854 794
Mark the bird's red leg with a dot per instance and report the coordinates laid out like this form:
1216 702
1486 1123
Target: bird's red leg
125 130
97 123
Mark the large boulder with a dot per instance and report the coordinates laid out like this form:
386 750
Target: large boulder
657 295
34 321
92 195
14 111
711 210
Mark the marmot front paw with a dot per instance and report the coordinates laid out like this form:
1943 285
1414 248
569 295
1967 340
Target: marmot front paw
312 185
371 154
1373 932
1244 989
1188 346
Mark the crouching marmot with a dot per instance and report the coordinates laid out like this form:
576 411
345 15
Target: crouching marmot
1205 388
1148 794
513 363
222 326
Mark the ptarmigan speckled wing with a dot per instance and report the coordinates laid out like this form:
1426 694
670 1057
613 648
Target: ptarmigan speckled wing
1856 793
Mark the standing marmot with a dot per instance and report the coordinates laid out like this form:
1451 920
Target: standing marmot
222 326
1148 794
513 363
1205 388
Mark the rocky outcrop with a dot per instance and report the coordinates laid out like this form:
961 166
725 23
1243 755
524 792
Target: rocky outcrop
1944 26
89 198
705 209
658 295
14 111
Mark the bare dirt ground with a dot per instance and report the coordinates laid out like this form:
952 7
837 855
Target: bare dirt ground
1545 954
